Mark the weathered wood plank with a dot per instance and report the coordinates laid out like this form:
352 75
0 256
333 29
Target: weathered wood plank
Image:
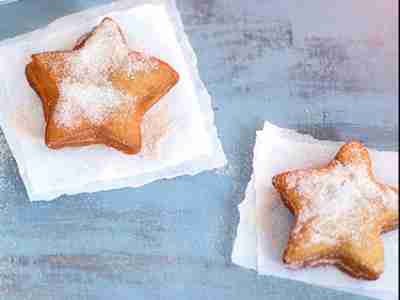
173 239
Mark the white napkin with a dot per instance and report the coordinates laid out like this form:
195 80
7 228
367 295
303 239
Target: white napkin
265 222
179 133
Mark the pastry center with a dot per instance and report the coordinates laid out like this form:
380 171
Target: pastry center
86 89
342 203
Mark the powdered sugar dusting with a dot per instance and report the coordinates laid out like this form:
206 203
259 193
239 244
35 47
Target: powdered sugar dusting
86 90
391 199
91 102
342 203
104 52
141 63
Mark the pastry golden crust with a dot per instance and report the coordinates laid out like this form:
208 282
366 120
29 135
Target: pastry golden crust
340 213
98 92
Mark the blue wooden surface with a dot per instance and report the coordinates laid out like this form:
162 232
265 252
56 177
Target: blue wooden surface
173 239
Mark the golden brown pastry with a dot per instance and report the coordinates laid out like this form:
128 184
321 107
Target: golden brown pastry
98 92
340 213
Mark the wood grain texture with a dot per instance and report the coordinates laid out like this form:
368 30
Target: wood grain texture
173 239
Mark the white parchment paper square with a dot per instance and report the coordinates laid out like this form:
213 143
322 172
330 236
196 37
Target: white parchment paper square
279 150
186 143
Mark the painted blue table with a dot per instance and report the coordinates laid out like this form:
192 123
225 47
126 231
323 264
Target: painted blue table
173 239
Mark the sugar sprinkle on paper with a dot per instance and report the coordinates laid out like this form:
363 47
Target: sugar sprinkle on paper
156 126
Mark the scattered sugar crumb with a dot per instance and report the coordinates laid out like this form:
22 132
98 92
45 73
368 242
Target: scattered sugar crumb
86 90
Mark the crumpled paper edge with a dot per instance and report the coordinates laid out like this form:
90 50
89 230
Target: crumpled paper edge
218 158
212 161
246 233
248 258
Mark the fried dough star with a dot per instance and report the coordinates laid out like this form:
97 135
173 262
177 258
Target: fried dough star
340 213
98 92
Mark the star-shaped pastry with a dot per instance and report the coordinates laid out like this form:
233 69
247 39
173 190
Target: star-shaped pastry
98 92
340 213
